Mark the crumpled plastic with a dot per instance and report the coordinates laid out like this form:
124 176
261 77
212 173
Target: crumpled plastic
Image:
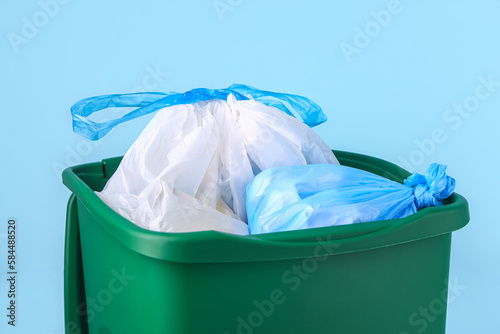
301 197
190 167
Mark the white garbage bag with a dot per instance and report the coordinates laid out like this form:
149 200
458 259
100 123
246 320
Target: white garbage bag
189 168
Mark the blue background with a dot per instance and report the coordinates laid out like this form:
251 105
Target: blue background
384 97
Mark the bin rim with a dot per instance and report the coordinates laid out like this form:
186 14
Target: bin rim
214 246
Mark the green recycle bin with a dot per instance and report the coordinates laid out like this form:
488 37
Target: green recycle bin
385 277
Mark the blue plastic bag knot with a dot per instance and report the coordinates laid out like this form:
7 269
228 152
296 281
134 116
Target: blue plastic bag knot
430 189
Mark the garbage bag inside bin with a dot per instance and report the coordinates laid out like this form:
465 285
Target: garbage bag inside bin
300 197
189 168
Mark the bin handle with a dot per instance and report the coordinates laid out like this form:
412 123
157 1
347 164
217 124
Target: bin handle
327 238
397 231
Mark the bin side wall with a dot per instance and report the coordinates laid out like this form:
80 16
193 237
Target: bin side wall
395 289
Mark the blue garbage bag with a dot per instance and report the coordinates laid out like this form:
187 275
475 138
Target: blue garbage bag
300 197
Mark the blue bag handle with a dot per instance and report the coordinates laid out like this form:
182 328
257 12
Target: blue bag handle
294 105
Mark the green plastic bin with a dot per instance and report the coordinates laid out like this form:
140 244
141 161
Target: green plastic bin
367 278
